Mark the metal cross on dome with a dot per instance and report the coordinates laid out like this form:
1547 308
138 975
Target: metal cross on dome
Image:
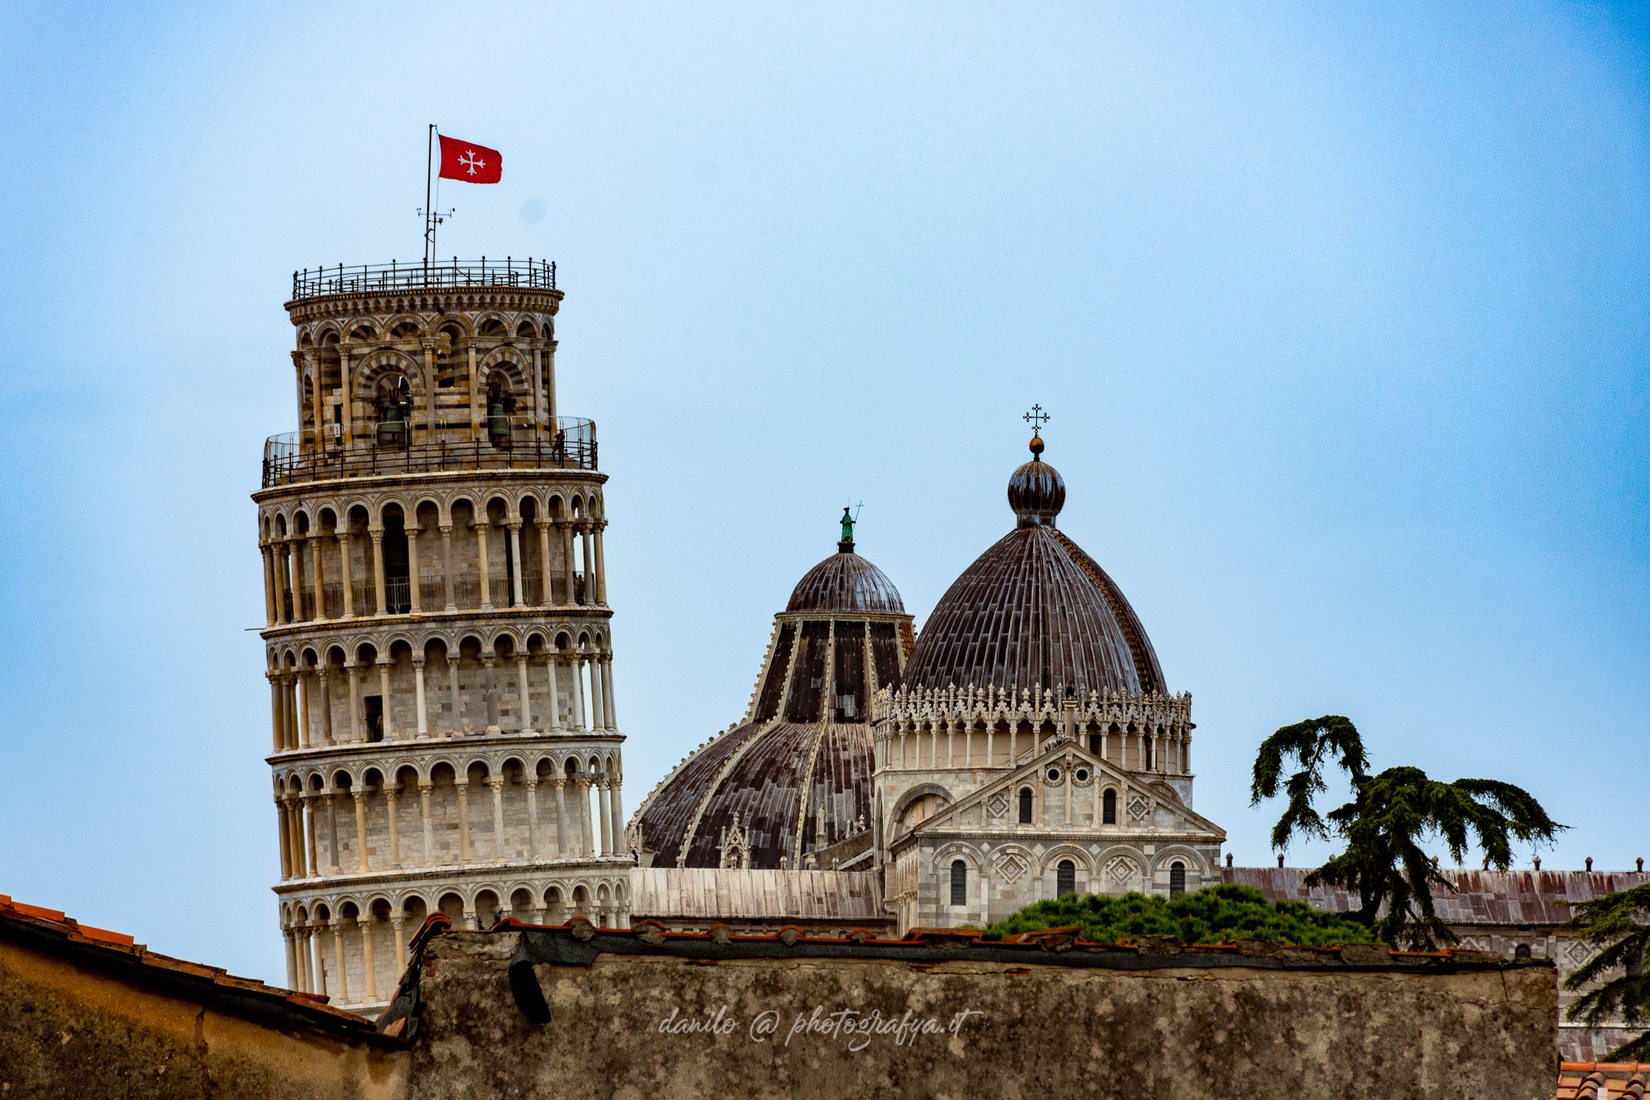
1037 418
470 161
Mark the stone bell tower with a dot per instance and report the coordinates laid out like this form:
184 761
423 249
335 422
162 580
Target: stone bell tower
439 642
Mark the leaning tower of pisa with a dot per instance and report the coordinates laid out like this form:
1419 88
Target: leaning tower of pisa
438 641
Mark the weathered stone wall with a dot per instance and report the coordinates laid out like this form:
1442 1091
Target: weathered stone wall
696 1018
76 1033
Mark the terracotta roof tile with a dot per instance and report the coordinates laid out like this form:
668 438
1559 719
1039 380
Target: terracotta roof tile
1480 897
1582 1080
52 931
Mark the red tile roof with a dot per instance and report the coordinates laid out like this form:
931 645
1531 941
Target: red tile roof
51 931
1582 1080
1479 897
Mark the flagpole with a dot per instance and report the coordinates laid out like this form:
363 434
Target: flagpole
429 212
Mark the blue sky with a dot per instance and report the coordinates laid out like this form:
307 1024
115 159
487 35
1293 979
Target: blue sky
1343 314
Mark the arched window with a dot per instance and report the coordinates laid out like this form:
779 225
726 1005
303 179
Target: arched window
1065 878
1177 879
1108 808
959 882
1025 805
1522 951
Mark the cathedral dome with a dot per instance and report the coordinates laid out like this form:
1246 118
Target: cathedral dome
846 582
790 785
1035 611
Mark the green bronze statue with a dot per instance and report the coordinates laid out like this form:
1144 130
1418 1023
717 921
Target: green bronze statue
847 525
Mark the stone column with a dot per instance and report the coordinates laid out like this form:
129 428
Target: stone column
452 691
300 697
496 783
601 567
275 717
577 662
538 395
424 786
418 696
485 574
398 925
356 733
413 585
295 835
346 574
567 556
377 536
561 847
269 582
360 797
323 677
345 407
429 388
363 924
318 577
586 834
546 592
525 691
607 691
307 805
447 565
391 795
616 805
476 411
550 659
513 534
281 582
532 818
490 676
295 554
605 813
598 720
589 566
331 795
338 958
462 785
286 838
384 693
291 958
300 946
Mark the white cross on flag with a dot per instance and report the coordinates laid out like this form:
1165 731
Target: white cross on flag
468 162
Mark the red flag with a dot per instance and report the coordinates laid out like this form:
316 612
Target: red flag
468 162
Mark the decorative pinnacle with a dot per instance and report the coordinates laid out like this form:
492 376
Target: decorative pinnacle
1037 418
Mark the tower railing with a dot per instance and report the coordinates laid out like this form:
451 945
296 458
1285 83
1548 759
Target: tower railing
320 282
292 458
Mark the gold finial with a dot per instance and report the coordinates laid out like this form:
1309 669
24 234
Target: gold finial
1037 418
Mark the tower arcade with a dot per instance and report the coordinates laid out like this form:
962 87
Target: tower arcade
438 638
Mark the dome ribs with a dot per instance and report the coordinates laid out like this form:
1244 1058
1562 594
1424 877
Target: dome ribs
1033 611
846 582
797 777
667 818
1147 669
773 678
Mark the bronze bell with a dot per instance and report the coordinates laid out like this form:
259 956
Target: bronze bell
392 430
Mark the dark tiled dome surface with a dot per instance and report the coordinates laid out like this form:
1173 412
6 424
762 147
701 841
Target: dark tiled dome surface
797 774
757 776
1035 610
846 582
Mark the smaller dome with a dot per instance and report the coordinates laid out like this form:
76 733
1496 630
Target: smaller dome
1036 492
846 582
